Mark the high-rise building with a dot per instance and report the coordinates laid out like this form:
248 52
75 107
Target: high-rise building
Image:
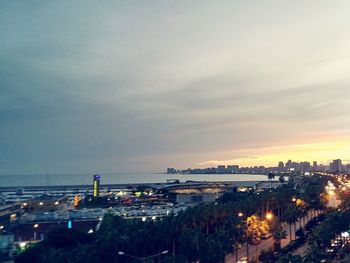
221 169
295 166
232 169
314 166
336 166
280 166
289 165
304 167
96 185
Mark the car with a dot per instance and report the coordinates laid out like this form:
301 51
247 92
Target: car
243 260
266 236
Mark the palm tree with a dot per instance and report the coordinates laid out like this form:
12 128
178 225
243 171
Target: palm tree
271 176
290 216
249 241
277 233
239 236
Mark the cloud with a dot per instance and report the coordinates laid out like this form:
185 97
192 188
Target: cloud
125 86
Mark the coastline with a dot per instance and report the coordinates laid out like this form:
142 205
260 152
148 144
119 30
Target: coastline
121 179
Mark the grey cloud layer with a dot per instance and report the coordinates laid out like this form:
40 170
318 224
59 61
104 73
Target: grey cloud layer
129 86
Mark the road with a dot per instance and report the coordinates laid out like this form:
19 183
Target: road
255 250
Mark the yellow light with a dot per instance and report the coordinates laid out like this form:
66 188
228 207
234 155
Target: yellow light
299 202
294 199
240 214
269 216
95 188
76 200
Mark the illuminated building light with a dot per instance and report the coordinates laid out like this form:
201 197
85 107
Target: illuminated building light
96 185
22 244
76 200
41 203
13 217
36 225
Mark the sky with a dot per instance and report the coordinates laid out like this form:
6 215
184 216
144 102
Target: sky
138 86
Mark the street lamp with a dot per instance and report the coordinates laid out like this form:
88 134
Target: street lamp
240 214
269 216
143 259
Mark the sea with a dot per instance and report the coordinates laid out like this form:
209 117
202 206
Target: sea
119 178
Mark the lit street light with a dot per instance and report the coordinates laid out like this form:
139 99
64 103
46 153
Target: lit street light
269 216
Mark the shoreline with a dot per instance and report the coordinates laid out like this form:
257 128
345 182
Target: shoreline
124 185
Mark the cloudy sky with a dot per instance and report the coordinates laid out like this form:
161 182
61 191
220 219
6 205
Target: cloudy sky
138 86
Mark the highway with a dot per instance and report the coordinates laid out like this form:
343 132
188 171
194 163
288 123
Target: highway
255 250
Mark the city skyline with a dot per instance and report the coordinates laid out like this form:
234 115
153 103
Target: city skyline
335 165
136 87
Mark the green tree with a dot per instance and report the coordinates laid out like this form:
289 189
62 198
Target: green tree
290 216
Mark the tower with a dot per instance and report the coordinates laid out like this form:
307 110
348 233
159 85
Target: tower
96 185
280 166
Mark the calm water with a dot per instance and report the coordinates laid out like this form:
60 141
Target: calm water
83 179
